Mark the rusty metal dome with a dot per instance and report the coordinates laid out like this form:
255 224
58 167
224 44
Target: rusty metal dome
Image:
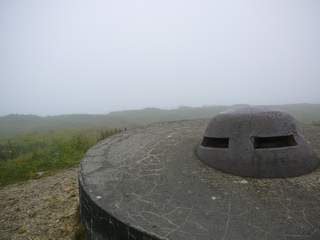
256 142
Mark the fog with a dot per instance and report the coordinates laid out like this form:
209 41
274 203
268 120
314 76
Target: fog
59 57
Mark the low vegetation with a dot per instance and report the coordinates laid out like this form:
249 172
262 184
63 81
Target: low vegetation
12 125
34 155
33 146
316 123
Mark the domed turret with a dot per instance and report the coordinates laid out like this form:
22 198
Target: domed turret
256 142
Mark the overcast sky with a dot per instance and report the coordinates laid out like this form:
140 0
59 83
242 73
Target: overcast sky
63 56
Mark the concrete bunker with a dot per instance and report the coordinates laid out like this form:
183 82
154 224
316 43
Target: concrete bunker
256 142
148 183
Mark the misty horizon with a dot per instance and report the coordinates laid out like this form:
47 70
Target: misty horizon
98 57
271 107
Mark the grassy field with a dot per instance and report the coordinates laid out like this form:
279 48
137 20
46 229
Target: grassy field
33 146
35 155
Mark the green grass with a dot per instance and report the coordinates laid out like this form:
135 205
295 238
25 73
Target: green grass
31 144
38 154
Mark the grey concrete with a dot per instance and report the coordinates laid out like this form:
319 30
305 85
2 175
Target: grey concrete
243 127
149 184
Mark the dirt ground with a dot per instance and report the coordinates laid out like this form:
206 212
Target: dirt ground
45 208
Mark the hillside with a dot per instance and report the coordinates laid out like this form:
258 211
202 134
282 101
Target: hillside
12 125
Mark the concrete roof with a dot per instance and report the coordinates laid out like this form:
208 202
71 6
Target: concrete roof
148 183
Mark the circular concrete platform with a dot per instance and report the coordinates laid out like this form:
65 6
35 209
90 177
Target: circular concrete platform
149 184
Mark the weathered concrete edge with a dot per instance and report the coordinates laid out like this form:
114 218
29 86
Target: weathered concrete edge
98 223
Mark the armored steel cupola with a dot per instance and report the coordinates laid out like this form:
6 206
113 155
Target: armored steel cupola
256 142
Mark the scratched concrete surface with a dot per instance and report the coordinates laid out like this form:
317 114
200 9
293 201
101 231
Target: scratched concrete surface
151 180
